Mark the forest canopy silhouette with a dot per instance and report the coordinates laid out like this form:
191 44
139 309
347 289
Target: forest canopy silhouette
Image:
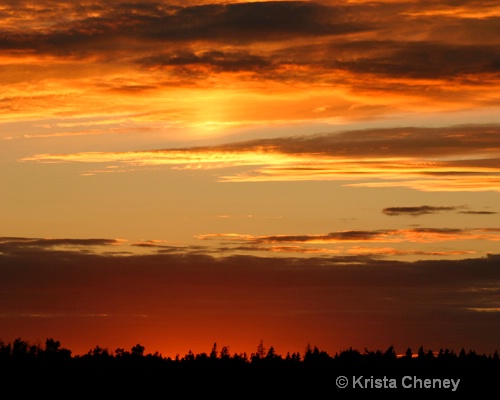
313 368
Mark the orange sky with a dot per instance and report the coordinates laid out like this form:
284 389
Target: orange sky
184 172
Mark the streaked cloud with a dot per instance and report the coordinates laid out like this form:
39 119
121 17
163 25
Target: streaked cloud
395 244
470 212
462 158
372 252
416 211
329 62
416 235
48 243
94 26
424 210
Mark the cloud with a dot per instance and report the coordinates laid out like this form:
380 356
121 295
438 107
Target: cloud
20 245
347 236
423 60
461 158
283 60
424 210
420 235
394 244
217 60
47 242
415 211
370 252
364 37
96 26
479 212
436 302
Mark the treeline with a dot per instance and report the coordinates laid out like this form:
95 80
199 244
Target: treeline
20 350
312 368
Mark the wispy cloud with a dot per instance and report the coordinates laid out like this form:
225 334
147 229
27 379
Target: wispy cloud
94 26
20 245
424 210
48 242
415 235
458 158
470 212
372 252
424 243
341 61
415 211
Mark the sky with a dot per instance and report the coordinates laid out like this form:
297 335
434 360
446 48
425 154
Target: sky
180 173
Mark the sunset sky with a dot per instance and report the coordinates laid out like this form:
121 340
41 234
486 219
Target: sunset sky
179 173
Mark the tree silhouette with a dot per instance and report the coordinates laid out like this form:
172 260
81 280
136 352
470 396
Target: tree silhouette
213 353
261 350
39 365
224 353
137 350
408 353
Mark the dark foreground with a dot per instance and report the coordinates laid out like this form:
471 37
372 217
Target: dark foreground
35 370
